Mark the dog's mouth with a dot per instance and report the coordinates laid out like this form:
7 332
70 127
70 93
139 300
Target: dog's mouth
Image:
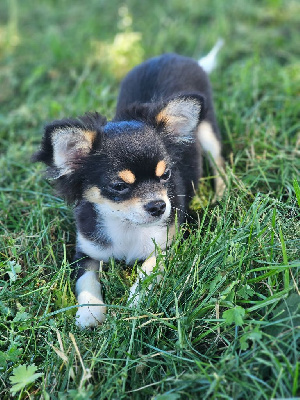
155 222
147 220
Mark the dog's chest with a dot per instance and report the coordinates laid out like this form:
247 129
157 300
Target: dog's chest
131 242
124 241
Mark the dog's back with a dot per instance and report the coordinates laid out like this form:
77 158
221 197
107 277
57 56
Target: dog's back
163 77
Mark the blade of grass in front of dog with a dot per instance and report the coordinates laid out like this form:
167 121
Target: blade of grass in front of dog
125 371
285 260
297 190
272 234
296 380
180 338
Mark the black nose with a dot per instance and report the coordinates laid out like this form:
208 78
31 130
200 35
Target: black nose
155 208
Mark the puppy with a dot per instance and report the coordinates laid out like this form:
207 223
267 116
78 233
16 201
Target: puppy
131 179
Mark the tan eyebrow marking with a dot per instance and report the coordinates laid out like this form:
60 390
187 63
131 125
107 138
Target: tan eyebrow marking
127 176
160 168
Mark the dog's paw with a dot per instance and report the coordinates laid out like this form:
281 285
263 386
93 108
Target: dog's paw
136 291
90 316
134 295
219 190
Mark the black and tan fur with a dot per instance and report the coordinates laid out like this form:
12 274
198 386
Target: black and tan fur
132 177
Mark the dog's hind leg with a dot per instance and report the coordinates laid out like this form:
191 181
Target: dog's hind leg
212 147
91 310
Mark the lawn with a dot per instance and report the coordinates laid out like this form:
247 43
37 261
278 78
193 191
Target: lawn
224 323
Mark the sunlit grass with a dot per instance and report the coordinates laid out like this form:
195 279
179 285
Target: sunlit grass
225 320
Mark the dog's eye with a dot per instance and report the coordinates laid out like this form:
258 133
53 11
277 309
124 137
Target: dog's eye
119 187
165 176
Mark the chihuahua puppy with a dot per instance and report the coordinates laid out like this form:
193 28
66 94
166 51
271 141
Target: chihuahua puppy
131 179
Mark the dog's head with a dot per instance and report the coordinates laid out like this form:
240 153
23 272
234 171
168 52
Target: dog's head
128 166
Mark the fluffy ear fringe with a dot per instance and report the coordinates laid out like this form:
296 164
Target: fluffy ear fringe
66 142
178 116
181 116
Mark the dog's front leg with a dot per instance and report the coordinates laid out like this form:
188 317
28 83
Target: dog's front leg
88 291
146 270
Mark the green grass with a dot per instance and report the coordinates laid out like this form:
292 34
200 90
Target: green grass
224 323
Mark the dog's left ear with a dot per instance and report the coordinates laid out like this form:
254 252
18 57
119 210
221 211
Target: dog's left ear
181 116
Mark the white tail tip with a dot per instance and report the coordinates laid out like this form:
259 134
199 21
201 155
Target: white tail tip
209 62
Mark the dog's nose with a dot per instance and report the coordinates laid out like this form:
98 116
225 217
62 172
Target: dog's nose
155 208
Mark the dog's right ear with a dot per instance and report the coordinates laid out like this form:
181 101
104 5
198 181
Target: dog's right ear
181 116
67 142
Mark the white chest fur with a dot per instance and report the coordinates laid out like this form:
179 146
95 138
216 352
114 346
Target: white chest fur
129 242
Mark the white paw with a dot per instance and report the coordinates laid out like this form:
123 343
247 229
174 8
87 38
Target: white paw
88 291
89 316
220 187
134 295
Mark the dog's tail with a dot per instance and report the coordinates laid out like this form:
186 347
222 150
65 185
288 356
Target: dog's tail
209 62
